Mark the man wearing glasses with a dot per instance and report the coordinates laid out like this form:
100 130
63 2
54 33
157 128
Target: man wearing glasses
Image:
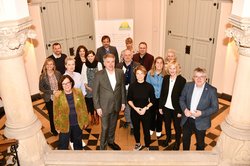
198 102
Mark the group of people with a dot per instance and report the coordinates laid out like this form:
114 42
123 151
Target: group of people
149 90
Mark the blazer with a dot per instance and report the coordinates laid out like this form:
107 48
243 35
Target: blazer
176 93
208 104
61 110
133 65
104 96
101 51
148 60
44 85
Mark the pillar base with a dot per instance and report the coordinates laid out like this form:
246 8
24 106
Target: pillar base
233 145
23 132
31 150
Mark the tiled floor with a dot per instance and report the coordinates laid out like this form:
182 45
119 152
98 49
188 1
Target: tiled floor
123 137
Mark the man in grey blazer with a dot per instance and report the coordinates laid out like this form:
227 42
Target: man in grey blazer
109 99
198 102
106 48
128 66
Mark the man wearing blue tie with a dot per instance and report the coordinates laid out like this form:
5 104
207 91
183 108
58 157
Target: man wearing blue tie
198 102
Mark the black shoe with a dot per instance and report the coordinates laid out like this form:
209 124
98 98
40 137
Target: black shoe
114 146
165 143
126 124
55 133
132 131
176 146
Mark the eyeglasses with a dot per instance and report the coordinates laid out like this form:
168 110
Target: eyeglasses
66 84
199 77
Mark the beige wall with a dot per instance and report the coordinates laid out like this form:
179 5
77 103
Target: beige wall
146 15
225 63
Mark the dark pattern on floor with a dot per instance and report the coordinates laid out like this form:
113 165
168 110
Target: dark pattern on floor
92 133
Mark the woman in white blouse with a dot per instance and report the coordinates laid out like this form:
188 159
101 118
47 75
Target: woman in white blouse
169 106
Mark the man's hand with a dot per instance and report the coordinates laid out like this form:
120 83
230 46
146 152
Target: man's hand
123 107
197 113
99 112
178 115
187 112
160 110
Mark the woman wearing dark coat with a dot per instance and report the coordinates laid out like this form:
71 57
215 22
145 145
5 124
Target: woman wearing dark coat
48 84
169 106
80 58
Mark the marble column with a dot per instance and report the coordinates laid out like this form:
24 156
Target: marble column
234 142
21 121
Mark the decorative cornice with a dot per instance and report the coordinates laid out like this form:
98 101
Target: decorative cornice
13 35
240 37
240 31
241 23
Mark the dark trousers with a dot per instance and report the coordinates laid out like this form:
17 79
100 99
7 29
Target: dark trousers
188 129
75 135
136 119
170 115
49 106
156 117
108 129
90 105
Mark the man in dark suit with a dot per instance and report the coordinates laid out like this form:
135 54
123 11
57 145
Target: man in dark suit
58 57
128 66
109 99
142 57
198 102
106 48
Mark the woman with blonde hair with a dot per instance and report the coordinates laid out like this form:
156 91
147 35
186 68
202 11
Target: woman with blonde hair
48 84
170 57
169 106
155 78
141 97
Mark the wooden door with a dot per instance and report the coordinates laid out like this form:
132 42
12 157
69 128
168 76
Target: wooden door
68 22
203 31
190 31
54 24
82 23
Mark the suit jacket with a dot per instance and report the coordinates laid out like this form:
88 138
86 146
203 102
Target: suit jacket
176 93
148 60
44 85
104 96
62 110
101 51
133 65
208 104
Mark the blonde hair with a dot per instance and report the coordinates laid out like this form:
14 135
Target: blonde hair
153 69
69 59
170 51
129 40
45 63
177 66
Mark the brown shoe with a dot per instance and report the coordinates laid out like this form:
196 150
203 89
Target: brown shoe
92 121
96 119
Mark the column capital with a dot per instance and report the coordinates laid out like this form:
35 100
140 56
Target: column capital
13 35
240 31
